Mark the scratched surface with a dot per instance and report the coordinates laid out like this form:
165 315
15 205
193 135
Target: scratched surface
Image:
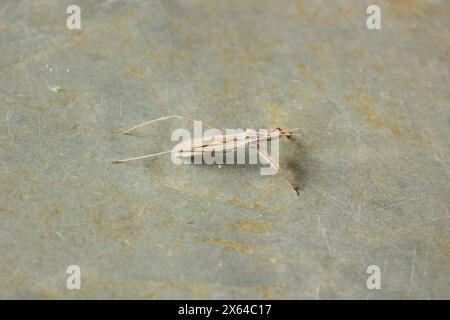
372 159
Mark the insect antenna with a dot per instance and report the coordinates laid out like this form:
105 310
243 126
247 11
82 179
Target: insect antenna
142 157
159 119
288 134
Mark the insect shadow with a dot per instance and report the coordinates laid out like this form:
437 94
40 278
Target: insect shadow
297 162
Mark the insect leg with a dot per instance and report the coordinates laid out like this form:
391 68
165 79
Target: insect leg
272 163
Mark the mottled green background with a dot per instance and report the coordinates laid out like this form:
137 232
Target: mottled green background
372 159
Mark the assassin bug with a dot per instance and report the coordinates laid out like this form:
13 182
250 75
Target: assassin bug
221 143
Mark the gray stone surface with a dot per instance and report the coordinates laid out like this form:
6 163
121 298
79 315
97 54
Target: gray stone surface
372 160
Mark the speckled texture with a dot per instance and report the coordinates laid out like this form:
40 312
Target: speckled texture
372 160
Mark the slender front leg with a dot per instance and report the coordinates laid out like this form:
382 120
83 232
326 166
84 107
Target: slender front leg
273 164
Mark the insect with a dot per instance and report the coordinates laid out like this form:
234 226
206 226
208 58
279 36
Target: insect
221 143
